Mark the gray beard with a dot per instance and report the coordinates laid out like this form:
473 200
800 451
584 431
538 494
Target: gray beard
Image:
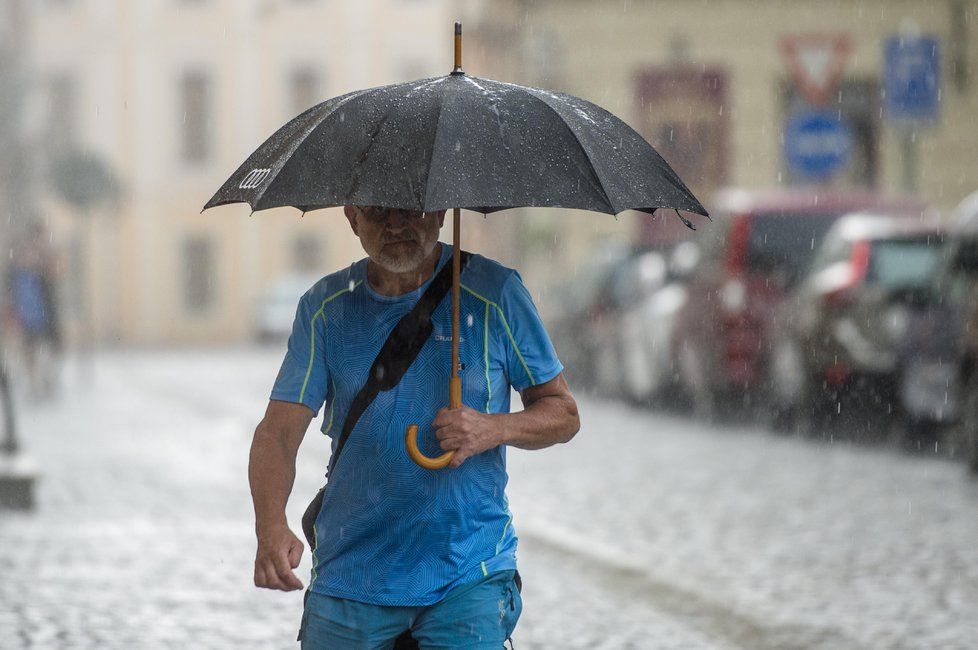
400 263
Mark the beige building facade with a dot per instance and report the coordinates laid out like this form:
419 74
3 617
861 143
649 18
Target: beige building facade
171 96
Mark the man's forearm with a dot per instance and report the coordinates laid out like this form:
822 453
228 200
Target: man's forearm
271 472
547 421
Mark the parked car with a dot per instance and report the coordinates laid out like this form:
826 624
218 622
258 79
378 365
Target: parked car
752 255
627 282
582 304
939 383
648 321
835 354
274 312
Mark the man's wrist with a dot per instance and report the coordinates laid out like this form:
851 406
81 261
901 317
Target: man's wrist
265 526
500 426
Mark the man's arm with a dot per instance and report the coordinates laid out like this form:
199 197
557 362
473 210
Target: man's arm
271 472
549 416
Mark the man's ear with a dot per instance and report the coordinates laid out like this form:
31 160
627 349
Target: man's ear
441 218
351 215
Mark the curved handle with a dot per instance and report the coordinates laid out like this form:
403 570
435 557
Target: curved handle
411 437
411 441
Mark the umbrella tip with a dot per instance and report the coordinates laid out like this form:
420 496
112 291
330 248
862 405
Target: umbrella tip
458 49
689 224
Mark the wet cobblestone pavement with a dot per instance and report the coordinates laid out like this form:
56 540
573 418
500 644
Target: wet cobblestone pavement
692 538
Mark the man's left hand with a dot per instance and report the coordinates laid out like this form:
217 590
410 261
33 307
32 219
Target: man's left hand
467 432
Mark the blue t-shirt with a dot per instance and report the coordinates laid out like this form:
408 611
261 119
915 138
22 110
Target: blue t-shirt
390 532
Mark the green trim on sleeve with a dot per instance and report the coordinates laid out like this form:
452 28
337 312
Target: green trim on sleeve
533 382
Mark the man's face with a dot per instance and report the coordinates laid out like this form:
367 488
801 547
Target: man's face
397 240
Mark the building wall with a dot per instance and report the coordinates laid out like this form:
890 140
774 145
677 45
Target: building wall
127 61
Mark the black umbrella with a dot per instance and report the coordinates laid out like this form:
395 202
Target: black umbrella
457 142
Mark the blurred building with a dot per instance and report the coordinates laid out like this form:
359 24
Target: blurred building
710 84
137 111
154 103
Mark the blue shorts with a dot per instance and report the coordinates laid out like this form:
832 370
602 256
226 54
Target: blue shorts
479 614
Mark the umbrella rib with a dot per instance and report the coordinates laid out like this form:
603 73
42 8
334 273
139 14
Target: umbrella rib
434 142
293 148
587 157
355 181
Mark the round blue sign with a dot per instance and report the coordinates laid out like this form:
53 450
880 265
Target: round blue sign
817 143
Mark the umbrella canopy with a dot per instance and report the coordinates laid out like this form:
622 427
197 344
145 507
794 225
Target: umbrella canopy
457 142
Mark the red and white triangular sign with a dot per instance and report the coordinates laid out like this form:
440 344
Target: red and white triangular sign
816 62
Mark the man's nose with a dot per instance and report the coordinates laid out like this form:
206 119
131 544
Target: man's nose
397 218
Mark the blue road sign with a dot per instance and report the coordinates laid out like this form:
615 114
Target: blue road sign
911 79
817 143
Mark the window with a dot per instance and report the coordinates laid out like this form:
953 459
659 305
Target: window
198 273
62 112
904 263
783 244
305 89
307 254
195 103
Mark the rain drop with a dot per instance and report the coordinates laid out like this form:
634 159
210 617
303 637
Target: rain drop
469 320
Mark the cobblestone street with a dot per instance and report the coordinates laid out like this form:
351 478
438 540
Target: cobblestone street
645 532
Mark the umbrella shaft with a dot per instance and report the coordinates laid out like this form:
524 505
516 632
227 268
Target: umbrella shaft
455 387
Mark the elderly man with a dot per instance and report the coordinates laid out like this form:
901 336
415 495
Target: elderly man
398 547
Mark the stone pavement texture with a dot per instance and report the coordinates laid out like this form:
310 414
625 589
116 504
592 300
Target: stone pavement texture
645 532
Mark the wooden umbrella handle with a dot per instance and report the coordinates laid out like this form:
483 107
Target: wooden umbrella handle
411 436
411 441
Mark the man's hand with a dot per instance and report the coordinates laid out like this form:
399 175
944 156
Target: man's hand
279 551
466 432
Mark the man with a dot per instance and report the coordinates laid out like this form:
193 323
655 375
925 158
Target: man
399 547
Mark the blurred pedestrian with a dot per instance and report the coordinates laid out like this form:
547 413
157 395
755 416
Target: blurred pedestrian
32 308
398 548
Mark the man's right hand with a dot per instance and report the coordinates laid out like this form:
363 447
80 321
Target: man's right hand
279 551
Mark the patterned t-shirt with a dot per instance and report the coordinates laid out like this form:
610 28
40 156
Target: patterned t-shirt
390 532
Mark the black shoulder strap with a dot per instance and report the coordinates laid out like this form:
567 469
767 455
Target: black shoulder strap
399 351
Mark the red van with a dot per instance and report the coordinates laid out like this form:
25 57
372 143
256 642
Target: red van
759 244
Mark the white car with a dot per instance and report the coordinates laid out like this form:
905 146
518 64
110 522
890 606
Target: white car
646 328
274 312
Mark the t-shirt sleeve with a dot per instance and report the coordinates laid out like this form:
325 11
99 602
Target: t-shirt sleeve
303 377
530 356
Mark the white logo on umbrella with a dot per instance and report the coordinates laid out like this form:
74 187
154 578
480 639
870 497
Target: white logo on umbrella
254 178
